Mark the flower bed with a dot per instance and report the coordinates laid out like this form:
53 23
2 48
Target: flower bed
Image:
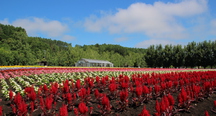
105 91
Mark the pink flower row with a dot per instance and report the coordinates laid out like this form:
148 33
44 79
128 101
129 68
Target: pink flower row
11 73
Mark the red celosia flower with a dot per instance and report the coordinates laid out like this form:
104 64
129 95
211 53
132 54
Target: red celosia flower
150 89
171 99
131 89
66 86
63 111
162 78
181 82
145 90
166 101
186 81
156 88
139 91
97 79
123 95
96 93
54 103
106 77
22 108
162 106
11 94
82 92
137 83
149 81
13 108
32 95
183 94
45 87
42 103
163 86
83 109
39 91
103 81
56 85
112 80
27 90
157 106
17 98
69 97
74 96
48 102
105 101
124 85
157 114
54 89
144 112
196 89
169 84
88 91
76 111
171 108
32 106
180 100
175 83
206 86
0 110
66 82
78 84
112 87
126 78
91 83
120 76
215 103
206 113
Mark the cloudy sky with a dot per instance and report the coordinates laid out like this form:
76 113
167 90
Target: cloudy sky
129 23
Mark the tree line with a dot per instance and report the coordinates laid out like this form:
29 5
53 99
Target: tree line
192 55
17 48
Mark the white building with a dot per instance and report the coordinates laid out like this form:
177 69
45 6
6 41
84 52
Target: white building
93 63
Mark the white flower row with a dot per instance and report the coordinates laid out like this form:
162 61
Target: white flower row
5 88
32 81
22 81
15 85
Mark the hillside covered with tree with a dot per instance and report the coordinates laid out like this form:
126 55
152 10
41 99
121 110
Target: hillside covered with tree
17 48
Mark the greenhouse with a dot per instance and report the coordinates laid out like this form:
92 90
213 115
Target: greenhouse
93 63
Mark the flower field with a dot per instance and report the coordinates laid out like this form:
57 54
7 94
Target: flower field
106 91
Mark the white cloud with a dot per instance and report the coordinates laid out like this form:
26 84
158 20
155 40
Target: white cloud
213 22
68 38
213 27
121 39
5 21
147 43
51 28
159 20
37 26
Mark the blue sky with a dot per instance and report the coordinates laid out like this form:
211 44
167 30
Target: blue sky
129 23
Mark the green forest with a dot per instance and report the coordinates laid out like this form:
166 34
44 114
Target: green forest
17 48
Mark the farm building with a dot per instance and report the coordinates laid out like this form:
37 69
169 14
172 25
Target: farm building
93 63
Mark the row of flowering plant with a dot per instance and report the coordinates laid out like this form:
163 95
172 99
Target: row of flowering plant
66 94
96 95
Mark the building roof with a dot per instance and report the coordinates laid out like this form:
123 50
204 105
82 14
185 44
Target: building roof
96 61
